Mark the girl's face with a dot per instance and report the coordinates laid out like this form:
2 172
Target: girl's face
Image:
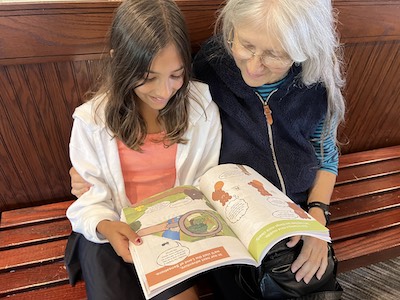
260 58
164 79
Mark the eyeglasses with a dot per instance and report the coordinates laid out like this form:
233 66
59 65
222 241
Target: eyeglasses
267 59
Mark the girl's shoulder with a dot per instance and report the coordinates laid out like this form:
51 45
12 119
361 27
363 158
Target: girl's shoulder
199 90
201 103
92 111
199 93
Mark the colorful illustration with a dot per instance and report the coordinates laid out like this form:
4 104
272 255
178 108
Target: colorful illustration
219 194
236 208
168 229
183 216
196 223
298 210
260 187
200 223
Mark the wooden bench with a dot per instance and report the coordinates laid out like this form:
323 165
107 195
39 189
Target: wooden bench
365 229
32 249
365 208
31 253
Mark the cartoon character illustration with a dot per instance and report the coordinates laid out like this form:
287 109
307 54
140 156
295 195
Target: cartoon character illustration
196 223
200 223
219 194
172 229
260 187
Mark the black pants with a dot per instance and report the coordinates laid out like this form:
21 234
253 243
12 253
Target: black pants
106 275
225 285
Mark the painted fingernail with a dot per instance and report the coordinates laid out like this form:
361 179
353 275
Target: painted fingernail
138 241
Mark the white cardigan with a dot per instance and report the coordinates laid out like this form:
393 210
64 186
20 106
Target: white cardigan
94 154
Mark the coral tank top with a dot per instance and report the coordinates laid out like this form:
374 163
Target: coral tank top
149 172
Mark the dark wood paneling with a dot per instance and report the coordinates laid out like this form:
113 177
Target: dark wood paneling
368 20
373 93
37 102
51 31
370 31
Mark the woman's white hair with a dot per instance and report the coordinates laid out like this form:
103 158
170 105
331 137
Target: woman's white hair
306 30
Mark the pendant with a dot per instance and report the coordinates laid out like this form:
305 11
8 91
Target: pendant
268 114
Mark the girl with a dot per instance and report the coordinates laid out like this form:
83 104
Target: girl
147 129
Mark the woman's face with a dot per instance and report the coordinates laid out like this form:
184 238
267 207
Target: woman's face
260 57
165 78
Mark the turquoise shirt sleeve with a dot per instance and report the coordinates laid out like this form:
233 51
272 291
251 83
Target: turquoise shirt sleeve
325 149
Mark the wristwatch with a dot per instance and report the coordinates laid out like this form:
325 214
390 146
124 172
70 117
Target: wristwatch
324 207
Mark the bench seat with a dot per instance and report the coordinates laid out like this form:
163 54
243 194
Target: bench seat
365 229
32 249
365 208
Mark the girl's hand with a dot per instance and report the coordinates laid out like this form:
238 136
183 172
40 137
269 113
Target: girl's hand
78 184
119 234
312 260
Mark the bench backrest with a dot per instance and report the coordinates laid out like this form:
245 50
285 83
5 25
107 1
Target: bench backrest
48 51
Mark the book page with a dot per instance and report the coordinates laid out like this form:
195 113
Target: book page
182 236
258 212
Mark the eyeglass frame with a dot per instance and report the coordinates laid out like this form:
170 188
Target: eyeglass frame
275 59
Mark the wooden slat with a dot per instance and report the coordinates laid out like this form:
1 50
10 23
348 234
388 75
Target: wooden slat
364 205
359 226
357 158
368 249
35 234
368 171
366 187
32 255
34 214
35 277
64 291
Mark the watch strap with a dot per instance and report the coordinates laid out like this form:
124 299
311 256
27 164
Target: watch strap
324 207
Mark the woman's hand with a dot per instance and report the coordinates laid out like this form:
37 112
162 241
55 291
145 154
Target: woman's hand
312 260
313 257
78 184
119 234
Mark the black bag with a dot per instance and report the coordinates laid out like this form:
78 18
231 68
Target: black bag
274 279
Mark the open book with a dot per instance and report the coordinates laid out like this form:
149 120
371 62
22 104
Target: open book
235 217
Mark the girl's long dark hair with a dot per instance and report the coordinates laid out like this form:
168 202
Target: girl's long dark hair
140 29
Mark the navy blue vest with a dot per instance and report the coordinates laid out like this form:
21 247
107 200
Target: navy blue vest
296 110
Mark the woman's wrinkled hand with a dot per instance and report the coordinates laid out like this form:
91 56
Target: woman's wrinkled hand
312 260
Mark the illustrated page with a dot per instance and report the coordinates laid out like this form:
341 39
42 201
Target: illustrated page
182 234
258 212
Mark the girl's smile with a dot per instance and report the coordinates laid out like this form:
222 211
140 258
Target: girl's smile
164 79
